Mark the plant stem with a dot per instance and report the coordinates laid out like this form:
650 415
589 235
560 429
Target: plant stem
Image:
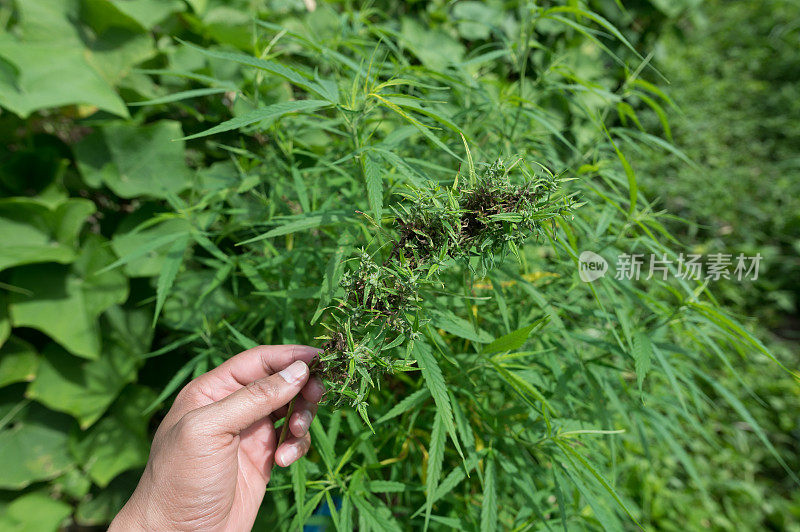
285 428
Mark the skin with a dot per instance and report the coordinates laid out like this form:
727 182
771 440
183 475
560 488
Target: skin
213 453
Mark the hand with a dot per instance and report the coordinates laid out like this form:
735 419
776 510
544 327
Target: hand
213 453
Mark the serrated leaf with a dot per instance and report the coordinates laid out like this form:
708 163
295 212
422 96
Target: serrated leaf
435 459
323 443
376 518
184 95
524 388
436 384
270 66
514 340
243 341
489 503
408 402
374 181
570 452
642 353
169 270
298 470
270 112
386 486
303 223
455 325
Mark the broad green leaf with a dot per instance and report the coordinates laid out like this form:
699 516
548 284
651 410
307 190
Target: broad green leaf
48 29
434 48
148 13
119 441
82 388
476 19
5 320
18 361
264 114
34 232
34 511
100 507
34 448
134 160
65 301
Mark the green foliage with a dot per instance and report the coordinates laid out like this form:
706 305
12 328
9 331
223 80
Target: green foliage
739 122
287 175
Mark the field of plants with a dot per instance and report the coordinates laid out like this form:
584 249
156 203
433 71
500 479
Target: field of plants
409 186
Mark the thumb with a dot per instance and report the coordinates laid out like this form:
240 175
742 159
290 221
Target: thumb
258 399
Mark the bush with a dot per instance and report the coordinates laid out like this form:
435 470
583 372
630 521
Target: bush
213 181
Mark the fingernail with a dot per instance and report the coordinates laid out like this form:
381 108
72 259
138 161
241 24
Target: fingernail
304 420
295 372
289 455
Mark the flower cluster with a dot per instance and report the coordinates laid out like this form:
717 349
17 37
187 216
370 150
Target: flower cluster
381 307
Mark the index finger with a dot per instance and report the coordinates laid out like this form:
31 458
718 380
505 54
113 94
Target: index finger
251 365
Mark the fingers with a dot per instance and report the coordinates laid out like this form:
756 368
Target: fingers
291 450
258 399
314 390
251 365
311 392
301 418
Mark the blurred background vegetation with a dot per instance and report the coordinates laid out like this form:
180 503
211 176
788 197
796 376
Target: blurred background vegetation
105 218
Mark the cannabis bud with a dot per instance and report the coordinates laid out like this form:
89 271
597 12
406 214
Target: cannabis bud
434 226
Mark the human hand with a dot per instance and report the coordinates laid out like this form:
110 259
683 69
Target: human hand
213 453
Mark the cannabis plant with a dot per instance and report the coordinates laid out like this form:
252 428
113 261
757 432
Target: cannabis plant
382 309
396 183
